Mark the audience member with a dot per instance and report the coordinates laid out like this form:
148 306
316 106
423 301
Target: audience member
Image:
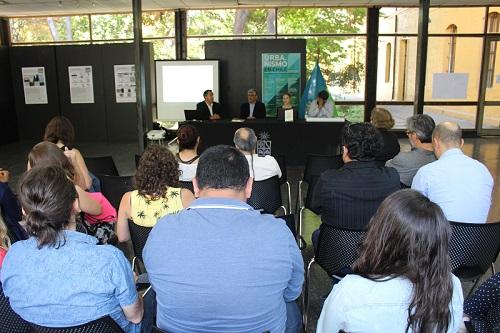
419 132
383 121
261 167
157 193
287 101
402 280
48 154
60 277
349 196
459 184
322 107
220 265
208 109
253 108
482 309
10 210
188 139
61 132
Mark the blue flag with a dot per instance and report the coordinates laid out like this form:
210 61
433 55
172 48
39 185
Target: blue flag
314 85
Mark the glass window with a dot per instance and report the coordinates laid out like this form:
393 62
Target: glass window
321 20
158 24
400 113
452 47
493 90
398 20
164 49
112 26
493 25
401 83
468 19
464 115
491 117
463 83
388 55
352 113
49 29
242 21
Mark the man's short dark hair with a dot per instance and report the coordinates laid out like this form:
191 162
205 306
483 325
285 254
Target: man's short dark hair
324 94
245 139
222 167
422 125
362 140
206 92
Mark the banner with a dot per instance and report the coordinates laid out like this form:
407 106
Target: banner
314 85
280 74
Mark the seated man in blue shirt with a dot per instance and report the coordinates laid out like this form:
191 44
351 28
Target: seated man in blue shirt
219 265
460 185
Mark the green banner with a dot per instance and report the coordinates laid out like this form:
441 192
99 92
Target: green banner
280 74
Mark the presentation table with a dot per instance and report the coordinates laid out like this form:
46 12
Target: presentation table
294 140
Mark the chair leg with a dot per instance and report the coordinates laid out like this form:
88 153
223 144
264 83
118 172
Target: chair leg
299 195
289 196
493 271
284 209
305 299
300 225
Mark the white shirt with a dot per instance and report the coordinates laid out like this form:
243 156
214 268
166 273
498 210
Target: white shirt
357 304
460 185
324 112
251 106
264 167
210 108
188 171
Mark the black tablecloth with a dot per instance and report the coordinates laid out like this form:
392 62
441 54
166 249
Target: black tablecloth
294 140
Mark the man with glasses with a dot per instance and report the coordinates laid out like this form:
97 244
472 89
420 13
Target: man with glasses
253 108
419 132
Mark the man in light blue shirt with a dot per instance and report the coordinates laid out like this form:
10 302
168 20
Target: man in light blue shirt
221 266
460 185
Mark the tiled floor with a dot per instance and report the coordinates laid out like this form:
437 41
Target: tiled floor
13 157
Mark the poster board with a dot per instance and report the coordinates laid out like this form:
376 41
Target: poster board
125 83
281 72
81 84
34 85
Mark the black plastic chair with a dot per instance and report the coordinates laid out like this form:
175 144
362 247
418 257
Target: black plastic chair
113 188
338 248
474 247
101 165
138 236
266 195
101 325
315 166
11 322
187 185
291 224
284 179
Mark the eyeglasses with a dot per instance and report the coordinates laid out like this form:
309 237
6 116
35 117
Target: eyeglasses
409 132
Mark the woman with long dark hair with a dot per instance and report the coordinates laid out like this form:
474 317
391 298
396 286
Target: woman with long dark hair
402 280
60 277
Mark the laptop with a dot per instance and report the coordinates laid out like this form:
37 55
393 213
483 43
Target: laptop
191 115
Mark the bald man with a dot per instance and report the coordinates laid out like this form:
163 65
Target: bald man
460 185
261 167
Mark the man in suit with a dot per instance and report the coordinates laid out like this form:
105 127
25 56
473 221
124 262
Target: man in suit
253 108
208 109
349 196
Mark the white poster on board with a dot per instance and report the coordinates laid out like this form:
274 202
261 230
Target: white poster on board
35 88
449 85
125 83
81 85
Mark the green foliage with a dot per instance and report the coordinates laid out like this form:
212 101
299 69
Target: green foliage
112 26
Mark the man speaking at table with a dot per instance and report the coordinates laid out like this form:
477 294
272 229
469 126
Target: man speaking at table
208 109
253 108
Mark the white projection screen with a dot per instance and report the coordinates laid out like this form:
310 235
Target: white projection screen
180 85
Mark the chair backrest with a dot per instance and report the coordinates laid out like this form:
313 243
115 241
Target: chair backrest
310 191
113 188
266 195
282 163
316 164
290 223
101 325
138 236
11 322
187 185
473 247
337 247
101 165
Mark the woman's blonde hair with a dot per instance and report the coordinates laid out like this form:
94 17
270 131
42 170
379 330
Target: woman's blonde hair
382 118
4 237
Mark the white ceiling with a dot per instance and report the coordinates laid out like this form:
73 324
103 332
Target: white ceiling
60 7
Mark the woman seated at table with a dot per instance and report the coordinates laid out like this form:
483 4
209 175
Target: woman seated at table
60 277
188 139
157 194
402 280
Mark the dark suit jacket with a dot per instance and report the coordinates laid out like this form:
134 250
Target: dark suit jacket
204 112
349 196
259 110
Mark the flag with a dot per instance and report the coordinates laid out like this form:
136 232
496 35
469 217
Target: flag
314 85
